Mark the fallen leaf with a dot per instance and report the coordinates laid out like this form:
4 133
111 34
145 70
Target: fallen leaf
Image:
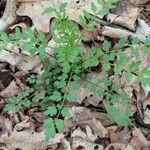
82 139
21 61
126 19
35 10
139 2
8 92
138 141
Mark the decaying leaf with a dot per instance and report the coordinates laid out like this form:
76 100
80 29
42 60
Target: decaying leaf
85 140
126 19
139 2
35 10
24 137
83 117
21 61
8 92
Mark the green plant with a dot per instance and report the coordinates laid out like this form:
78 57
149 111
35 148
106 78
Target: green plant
68 65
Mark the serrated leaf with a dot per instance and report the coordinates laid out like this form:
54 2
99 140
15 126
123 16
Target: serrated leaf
50 131
121 118
62 7
65 112
48 10
59 125
56 96
117 70
122 42
134 65
103 12
134 52
106 66
144 77
93 7
106 45
52 111
135 41
70 97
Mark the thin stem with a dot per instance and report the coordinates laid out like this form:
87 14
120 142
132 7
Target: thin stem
65 94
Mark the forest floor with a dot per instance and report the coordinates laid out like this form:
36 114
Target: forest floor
90 127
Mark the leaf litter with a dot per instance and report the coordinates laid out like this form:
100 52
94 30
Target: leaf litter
88 128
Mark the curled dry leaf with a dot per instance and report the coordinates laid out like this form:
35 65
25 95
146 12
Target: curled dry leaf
126 19
115 32
9 15
142 31
21 61
22 25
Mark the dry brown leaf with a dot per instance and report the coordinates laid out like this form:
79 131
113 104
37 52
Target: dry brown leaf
119 146
138 141
28 140
84 94
21 61
115 32
35 11
9 14
126 19
83 117
140 2
85 140
41 21
8 92
22 25
23 136
122 136
66 144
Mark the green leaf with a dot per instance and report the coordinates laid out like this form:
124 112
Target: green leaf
106 66
50 131
59 125
135 41
56 96
93 7
106 45
147 42
117 70
122 42
75 85
48 10
147 50
52 111
134 52
144 77
70 97
134 65
62 7
103 12
128 75
65 112
121 118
